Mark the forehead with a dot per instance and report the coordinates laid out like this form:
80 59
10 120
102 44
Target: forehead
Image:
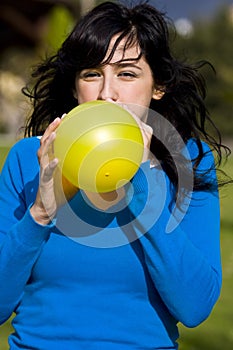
122 51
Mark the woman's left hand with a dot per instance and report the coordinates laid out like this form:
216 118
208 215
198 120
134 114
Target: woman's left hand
146 131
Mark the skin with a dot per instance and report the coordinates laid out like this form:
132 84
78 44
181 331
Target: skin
129 83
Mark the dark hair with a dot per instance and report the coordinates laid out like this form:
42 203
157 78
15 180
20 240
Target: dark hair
182 104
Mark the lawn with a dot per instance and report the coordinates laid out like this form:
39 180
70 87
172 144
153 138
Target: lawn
3 154
217 332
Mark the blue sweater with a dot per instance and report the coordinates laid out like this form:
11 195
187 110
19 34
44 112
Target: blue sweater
113 280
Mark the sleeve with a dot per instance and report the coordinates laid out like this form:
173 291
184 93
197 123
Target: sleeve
21 238
184 262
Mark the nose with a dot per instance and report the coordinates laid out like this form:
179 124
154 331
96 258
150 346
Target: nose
108 90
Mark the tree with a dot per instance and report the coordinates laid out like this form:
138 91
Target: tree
212 40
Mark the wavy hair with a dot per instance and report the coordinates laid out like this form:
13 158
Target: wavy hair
86 46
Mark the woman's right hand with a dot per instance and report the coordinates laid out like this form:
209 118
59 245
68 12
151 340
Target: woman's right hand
54 190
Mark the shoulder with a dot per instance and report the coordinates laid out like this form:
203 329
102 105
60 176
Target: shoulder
204 166
26 145
23 154
207 159
193 149
25 148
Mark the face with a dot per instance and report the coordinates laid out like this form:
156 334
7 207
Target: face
119 81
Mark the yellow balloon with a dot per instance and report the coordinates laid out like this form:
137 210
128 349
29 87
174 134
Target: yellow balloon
99 146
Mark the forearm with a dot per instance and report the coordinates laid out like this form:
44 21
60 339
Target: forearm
181 269
19 250
183 276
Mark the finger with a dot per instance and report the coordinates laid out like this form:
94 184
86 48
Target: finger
49 170
51 128
143 126
44 152
146 131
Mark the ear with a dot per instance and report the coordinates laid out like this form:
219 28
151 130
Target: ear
75 94
158 93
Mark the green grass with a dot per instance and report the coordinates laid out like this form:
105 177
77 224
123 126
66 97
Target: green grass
216 333
3 153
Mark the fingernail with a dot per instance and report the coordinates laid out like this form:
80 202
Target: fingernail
55 120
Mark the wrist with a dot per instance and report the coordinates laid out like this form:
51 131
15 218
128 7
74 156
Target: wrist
40 215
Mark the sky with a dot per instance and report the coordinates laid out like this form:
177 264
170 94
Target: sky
189 8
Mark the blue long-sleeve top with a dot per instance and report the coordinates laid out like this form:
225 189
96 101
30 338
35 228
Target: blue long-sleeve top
106 280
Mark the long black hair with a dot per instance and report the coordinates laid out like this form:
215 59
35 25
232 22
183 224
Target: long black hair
86 46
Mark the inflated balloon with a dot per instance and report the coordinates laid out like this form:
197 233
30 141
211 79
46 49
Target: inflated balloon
99 146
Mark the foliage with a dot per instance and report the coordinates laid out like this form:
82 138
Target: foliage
59 25
212 40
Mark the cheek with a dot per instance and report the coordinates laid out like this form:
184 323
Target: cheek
85 92
141 95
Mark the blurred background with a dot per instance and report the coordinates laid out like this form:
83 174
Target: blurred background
32 29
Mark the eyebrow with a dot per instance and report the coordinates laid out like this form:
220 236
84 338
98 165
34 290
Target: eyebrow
125 64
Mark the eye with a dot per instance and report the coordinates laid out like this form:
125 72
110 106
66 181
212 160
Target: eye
89 74
127 74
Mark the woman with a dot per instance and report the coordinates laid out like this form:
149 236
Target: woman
104 271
